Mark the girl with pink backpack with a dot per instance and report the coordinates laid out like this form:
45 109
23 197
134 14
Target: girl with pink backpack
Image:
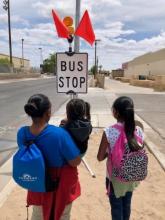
122 145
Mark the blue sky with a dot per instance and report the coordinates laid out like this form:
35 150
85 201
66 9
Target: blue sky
127 28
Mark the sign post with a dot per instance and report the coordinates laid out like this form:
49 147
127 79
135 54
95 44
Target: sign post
72 73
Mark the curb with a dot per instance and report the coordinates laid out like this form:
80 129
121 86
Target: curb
157 154
10 185
6 191
151 146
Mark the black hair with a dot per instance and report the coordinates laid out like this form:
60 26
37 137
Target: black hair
37 105
75 109
124 108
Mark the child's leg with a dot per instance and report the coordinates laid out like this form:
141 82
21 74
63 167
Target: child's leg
66 213
37 213
127 205
116 205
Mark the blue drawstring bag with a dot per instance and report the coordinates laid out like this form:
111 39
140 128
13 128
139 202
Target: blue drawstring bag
30 169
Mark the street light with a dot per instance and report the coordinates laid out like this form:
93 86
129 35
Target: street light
41 56
97 40
41 59
6 7
22 53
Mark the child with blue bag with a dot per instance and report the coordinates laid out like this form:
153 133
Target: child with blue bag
61 157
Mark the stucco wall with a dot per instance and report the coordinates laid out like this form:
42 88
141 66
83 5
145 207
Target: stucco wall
148 64
17 62
154 68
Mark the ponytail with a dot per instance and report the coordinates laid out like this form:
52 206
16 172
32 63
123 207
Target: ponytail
125 108
129 127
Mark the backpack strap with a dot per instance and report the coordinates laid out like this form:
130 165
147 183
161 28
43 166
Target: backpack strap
116 154
27 142
119 147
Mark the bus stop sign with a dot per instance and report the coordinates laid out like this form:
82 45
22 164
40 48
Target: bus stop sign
72 72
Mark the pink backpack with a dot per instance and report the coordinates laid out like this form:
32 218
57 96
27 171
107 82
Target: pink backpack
125 165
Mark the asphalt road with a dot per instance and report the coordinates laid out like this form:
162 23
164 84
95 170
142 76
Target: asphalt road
13 97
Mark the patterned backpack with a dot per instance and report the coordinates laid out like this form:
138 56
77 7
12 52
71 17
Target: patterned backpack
126 165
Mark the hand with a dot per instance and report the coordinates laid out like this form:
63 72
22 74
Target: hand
63 122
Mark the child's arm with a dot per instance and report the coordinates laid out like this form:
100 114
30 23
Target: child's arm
102 152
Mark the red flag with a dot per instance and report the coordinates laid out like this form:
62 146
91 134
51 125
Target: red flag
85 29
62 30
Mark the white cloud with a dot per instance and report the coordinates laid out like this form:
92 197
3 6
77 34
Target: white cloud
127 28
113 30
3 18
14 19
63 8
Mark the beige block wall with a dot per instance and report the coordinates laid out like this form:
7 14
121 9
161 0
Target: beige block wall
159 83
160 80
154 68
17 62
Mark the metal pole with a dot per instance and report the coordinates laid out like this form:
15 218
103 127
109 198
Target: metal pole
6 7
97 40
95 58
41 60
77 39
97 64
77 19
41 55
22 53
9 26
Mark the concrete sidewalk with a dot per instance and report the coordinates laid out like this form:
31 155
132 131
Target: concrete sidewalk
101 102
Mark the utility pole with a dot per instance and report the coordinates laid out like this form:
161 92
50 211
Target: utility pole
22 52
41 55
77 19
97 64
76 38
6 7
97 40
41 60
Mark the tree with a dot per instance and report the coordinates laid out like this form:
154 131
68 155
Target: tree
4 61
49 64
93 70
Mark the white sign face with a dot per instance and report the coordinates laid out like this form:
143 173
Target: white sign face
72 72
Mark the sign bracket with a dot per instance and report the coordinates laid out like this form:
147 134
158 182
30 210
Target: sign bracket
72 94
70 53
